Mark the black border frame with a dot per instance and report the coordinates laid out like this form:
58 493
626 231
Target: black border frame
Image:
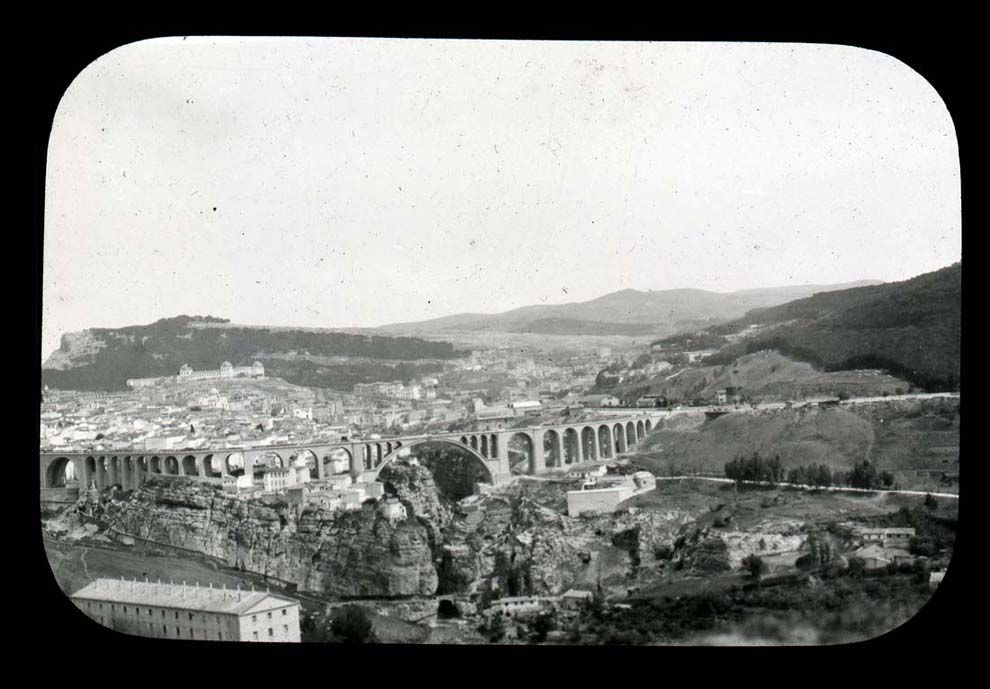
938 628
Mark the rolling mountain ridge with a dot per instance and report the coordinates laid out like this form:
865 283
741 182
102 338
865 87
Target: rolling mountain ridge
626 312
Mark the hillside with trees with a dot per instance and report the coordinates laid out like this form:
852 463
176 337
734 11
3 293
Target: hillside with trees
911 329
913 443
104 358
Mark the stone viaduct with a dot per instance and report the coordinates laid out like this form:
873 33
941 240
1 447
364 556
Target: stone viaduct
547 447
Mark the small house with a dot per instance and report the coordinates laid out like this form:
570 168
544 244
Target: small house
574 599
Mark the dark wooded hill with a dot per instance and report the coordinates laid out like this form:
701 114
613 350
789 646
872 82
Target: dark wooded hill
910 328
104 358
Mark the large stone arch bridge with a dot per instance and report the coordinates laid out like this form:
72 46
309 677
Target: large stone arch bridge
548 448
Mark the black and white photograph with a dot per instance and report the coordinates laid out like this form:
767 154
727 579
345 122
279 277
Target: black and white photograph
500 342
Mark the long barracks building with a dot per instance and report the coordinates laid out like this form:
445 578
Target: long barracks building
226 370
178 611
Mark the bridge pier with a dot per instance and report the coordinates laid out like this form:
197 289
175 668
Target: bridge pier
356 463
248 463
503 453
539 460
320 453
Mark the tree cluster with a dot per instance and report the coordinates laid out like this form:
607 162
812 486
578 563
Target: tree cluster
811 475
352 624
755 468
865 475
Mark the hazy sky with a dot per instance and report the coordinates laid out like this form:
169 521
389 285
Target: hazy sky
357 182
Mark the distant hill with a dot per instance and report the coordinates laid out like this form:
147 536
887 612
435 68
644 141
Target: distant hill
911 328
104 358
763 376
627 312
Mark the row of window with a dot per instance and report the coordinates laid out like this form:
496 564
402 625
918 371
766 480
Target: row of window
254 618
150 611
271 632
192 632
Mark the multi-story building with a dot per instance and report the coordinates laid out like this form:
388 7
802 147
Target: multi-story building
519 606
226 370
278 478
179 611
412 392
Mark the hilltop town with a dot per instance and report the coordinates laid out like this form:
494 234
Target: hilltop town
358 340
572 543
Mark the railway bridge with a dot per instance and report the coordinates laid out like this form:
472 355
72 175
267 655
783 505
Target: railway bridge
546 448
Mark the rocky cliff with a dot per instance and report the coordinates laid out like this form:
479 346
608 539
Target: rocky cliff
518 543
513 542
358 553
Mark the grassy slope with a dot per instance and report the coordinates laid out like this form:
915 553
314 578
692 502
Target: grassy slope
900 437
76 565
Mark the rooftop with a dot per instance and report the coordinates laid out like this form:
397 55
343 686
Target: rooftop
181 596
577 593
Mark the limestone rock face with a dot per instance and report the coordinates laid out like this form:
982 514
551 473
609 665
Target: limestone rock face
355 553
413 484
710 556
74 349
511 542
517 546
742 544
653 529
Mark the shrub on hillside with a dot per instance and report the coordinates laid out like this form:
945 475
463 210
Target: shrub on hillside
494 628
543 625
352 624
662 551
754 566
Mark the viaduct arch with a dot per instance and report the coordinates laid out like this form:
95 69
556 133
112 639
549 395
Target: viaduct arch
480 460
550 447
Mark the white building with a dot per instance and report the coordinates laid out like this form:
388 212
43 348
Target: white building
525 406
517 606
644 481
411 392
393 510
587 474
179 611
597 500
279 478
186 373
573 599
